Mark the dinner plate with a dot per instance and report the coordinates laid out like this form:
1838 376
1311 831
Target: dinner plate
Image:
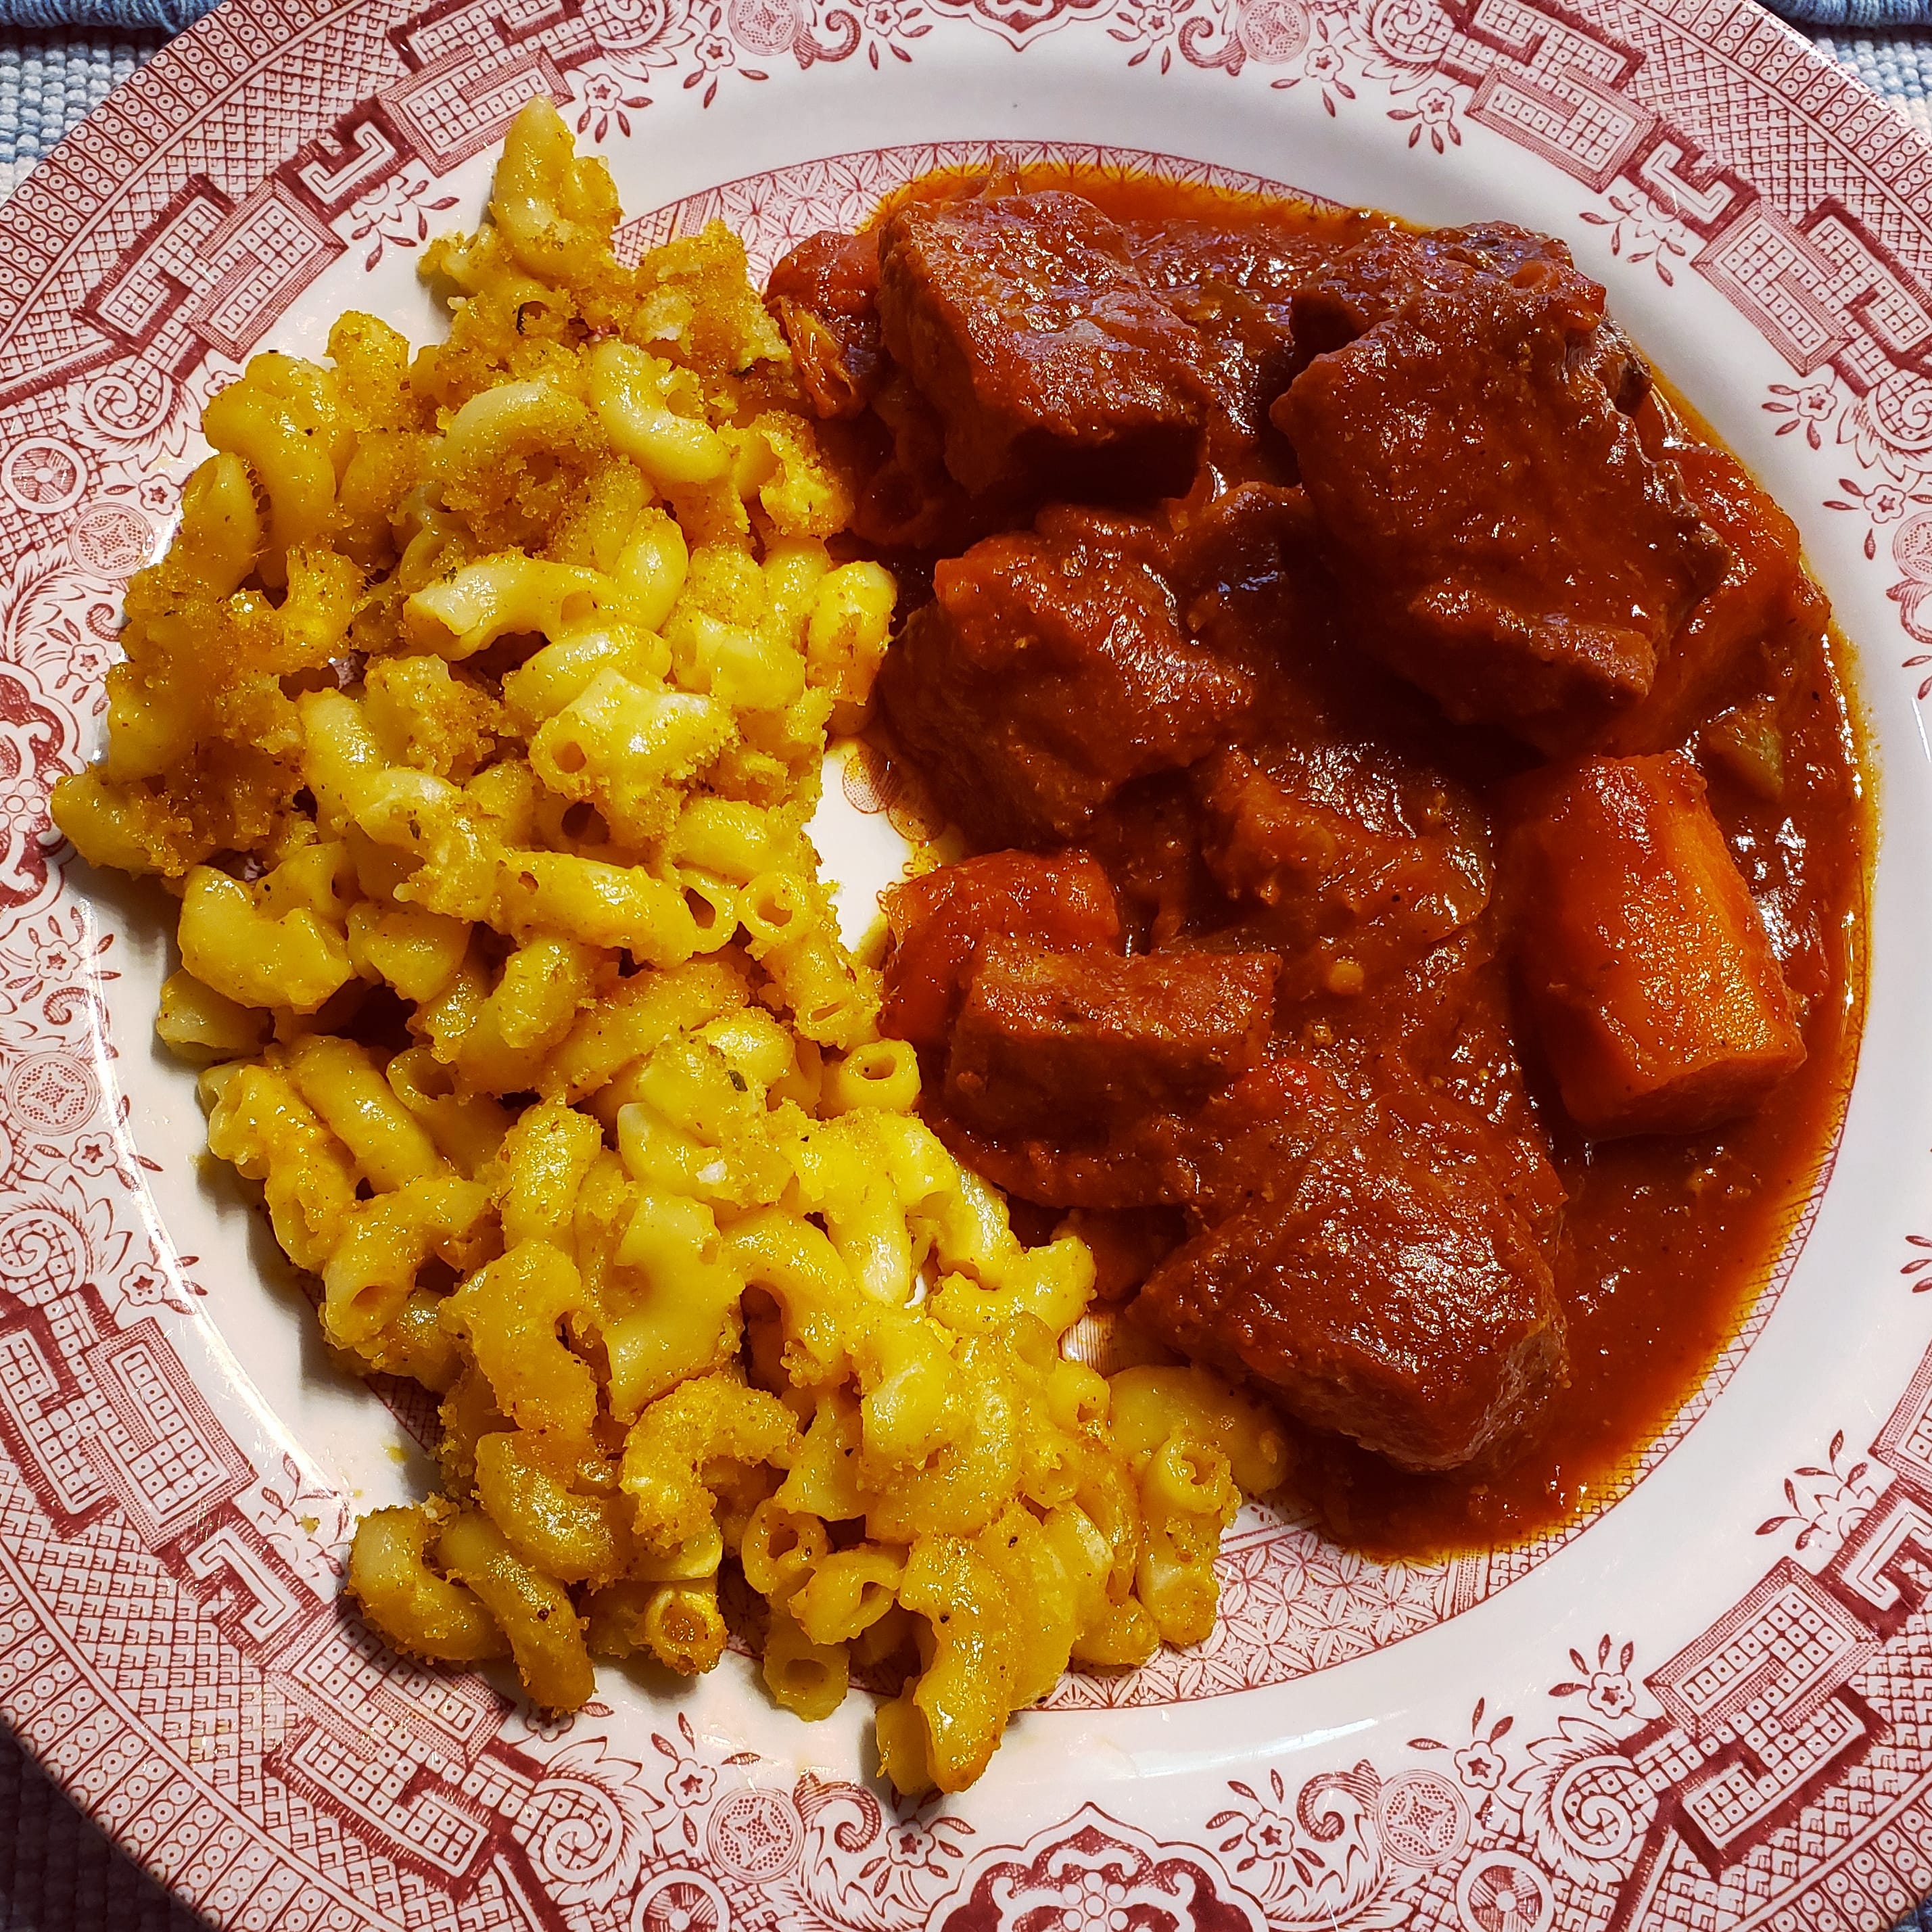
1710 1707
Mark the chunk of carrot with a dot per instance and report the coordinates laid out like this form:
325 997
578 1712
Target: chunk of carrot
1654 987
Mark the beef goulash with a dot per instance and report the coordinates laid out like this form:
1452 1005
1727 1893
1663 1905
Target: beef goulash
1417 833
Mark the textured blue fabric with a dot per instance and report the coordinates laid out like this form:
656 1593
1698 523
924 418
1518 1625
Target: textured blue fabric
1870 16
58 1874
166 16
50 82
1898 66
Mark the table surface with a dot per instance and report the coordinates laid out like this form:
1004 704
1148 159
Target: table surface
57 1872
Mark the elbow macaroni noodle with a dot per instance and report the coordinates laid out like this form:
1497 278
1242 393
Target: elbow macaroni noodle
516 989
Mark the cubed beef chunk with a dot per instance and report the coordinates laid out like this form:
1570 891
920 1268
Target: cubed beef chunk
1371 281
1346 856
1441 1029
1440 1021
1374 280
1491 518
939 921
1211 1159
1235 288
1057 1043
1245 568
1762 606
1383 272
1271 259
1654 987
1050 360
1465 1052
825 294
1049 670
1390 1293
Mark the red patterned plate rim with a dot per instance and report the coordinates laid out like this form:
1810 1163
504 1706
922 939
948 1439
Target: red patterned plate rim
1711 1706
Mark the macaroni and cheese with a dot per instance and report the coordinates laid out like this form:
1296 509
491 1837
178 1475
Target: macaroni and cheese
476 718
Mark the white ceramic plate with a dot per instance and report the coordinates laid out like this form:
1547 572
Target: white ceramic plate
1711 1708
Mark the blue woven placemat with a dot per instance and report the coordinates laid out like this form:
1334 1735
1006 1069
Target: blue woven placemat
58 1874
1896 64
59 59
50 80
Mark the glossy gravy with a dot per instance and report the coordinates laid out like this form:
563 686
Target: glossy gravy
1667 1241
